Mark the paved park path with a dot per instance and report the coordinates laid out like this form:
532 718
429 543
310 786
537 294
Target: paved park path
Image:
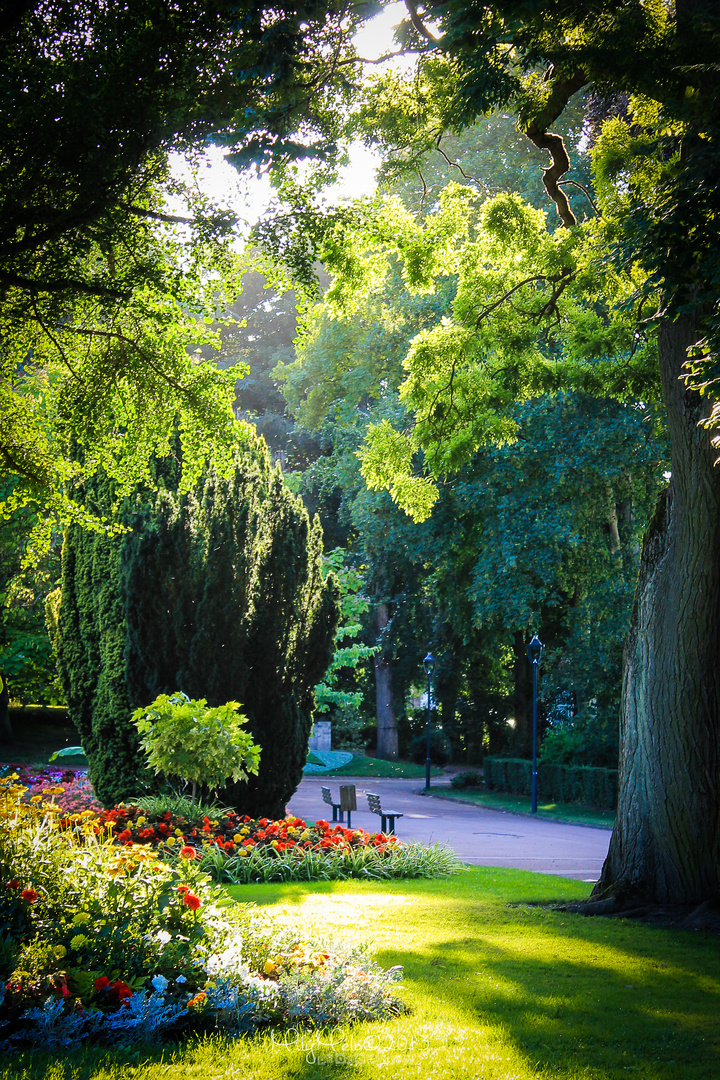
478 835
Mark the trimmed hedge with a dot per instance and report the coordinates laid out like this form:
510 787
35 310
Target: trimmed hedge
556 783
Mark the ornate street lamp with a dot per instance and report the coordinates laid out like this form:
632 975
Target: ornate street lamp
535 650
429 665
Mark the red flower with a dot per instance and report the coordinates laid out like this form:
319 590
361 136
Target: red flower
191 900
30 895
14 884
188 852
102 983
125 835
119 991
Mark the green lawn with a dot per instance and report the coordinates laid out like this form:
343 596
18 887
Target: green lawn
370 766
521 804
498 988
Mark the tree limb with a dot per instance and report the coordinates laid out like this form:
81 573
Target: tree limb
527 281
34 285
418 23
537 132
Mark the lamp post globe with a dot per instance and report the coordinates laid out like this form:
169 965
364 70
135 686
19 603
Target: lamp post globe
429 665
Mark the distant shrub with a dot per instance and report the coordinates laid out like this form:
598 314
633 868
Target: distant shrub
440 749
469 778
562 783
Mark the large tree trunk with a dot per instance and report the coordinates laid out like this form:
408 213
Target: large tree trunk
387 736
666 843
522 695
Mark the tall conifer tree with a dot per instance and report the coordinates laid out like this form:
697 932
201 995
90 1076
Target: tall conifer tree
218 593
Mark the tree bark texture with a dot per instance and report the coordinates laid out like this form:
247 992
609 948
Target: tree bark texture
666 843
522 695
387 736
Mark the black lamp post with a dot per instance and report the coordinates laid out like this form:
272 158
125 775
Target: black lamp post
535 651
429 665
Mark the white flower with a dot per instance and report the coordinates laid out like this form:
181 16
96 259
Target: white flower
160 983
163 937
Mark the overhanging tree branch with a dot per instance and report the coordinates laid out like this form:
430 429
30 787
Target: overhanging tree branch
36 286
560 93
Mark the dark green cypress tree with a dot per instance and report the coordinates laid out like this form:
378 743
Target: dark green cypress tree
91 654
218 593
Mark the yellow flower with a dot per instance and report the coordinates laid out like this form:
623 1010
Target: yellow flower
78 941
273 843
59 951
238 838
178 832
270 968
141 820
171 841
81 919
243 851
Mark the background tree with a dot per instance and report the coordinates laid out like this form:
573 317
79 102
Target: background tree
219 593
111 268
539 534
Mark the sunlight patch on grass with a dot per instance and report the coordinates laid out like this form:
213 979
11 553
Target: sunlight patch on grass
500 988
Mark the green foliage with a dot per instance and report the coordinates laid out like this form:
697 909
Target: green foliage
440 749
192 811
26 579
560 783
408 861
219 591
349 653
187 740
470 778
113 267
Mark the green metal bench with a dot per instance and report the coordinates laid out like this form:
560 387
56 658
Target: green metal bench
385 815
347 804
327 797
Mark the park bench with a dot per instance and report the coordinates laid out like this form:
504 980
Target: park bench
385 815
347 802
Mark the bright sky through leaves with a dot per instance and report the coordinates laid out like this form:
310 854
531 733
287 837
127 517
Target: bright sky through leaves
249 195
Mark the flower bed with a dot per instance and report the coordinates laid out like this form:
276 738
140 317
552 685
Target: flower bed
239 850
112 942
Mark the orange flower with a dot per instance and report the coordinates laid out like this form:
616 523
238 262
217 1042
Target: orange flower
191 900
188 852
30 895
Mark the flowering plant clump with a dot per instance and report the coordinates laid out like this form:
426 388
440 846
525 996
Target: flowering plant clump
240 850
107 940
70 788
